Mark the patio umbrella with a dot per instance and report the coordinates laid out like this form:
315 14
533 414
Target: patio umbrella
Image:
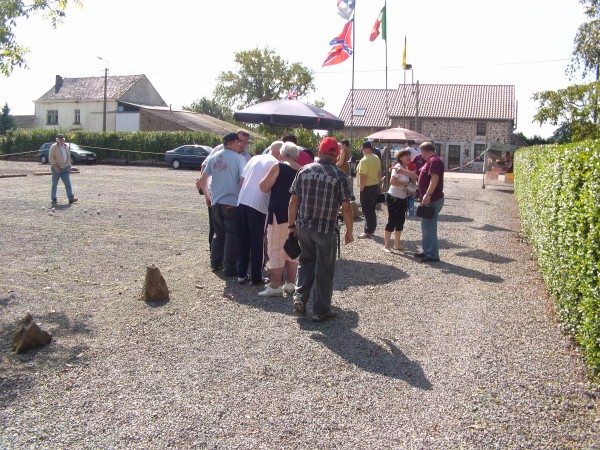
287 113
397 135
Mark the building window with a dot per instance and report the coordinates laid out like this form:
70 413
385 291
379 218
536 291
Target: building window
438 149
77 120
359 112
481 129
52 117
418 126
478 150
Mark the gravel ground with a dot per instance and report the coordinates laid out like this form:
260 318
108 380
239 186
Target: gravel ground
466 353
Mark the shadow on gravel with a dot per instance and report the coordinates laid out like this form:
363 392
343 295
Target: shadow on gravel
485 256
468 273
18 372
449 218
339 337
365 274
488 227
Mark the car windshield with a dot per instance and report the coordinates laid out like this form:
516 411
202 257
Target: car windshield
74 146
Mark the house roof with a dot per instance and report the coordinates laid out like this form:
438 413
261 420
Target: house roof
90 88
194 121
444 101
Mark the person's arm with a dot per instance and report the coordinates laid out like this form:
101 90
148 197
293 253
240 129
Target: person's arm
202 184
394 181
293 214
362 181
409 173
426 197
269 179
348 221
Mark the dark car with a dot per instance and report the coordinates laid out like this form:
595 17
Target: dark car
187 156
78 155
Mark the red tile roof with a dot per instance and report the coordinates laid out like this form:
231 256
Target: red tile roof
447 101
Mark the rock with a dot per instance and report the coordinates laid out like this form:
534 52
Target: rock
29 335
155 287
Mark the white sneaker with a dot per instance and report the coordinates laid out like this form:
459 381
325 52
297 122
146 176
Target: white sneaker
271 292
289 288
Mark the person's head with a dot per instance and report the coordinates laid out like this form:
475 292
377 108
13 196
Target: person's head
329 149
60 138
367 147
275 149
345 143
231 141
427 149
404 156
289 151
243 139
289 137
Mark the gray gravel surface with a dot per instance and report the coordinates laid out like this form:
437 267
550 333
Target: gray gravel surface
466 353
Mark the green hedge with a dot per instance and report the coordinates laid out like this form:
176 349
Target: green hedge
558 193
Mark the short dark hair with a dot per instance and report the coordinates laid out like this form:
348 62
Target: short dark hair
428 145
289 137
346 142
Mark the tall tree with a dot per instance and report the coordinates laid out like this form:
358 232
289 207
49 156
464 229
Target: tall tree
212 108
575 107
11 53
7 122
261 75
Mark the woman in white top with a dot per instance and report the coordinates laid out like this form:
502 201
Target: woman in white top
396 200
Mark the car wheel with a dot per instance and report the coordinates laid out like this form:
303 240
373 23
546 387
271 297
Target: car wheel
44 159
176 164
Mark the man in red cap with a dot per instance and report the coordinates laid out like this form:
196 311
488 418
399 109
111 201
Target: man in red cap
317 193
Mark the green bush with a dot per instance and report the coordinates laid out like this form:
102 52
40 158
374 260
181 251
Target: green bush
126 146
558 193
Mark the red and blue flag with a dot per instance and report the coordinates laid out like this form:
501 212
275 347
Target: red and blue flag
341 46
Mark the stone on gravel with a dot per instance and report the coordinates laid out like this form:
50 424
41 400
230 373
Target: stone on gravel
29 336
155 287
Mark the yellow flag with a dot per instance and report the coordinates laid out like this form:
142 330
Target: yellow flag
404 55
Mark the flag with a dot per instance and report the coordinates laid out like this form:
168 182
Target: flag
404 55
380 21
346 8
293 93
341 46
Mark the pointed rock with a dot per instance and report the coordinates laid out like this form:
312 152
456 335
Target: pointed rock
155 287
29 335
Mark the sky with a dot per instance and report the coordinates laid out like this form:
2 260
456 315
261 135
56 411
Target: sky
183 45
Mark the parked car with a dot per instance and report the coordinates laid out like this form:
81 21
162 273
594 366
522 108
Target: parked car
187 156
78 155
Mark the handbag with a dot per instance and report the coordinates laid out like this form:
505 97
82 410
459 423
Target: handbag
291 246
425 212
380 198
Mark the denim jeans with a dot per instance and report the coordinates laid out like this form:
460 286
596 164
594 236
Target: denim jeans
429 231
316 268
251 236
368 201
224 247
65 176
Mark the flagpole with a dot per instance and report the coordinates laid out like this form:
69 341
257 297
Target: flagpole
387 107
352 88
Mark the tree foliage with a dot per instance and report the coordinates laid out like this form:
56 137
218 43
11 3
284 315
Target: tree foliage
212 108
7 122
586 54
11 53
261 75
575 105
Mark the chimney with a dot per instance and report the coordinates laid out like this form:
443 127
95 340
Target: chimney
58 84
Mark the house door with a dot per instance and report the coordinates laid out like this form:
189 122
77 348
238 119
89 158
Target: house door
454 154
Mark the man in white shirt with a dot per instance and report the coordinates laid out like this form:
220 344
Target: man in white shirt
59 157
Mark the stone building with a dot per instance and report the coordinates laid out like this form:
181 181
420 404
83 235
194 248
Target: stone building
461 120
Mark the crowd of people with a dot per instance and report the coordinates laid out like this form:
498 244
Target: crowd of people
288 193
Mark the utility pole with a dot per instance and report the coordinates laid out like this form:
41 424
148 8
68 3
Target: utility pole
105 86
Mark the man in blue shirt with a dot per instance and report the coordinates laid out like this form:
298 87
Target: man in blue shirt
225 166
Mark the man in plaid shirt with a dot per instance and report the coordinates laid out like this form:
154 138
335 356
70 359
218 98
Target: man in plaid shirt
317 193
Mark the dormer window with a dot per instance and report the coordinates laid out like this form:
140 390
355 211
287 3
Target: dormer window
359 112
